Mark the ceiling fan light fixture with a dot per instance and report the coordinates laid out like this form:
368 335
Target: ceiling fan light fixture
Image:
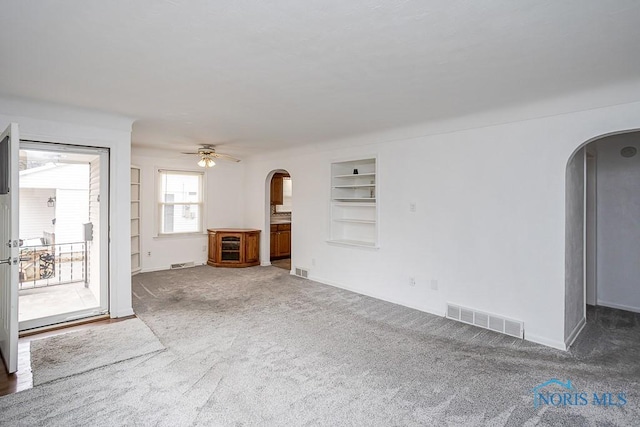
206 161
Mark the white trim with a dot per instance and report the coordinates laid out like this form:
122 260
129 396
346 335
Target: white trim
545 341
619 306
576 331
431 310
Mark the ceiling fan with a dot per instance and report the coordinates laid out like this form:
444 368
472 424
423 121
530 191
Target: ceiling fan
207 153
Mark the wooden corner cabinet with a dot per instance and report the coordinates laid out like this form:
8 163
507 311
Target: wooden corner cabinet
233 247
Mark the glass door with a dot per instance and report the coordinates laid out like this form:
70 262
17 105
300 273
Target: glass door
64 205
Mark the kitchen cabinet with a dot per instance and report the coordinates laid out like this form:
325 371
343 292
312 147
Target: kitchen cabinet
233 247
280 241
277 191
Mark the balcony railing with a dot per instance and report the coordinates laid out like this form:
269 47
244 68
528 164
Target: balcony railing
49 265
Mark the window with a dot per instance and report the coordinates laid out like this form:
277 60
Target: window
286 196
180 203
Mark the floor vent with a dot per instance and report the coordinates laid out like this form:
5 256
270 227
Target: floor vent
500 324
301 272
182 265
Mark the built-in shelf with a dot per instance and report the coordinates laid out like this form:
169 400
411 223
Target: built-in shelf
135 220
355 186
358 175
358 221
360 243
354 207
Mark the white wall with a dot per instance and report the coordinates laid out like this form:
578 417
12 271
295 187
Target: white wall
618 223
575 244
53 123
490 219
223 207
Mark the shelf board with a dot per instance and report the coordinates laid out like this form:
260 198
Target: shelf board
356 175
356 221
135 235
359 243
135 217
354 199
355 186
355 205
135 253
135 183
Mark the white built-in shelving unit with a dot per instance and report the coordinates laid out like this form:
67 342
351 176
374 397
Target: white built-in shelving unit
354 207
135 220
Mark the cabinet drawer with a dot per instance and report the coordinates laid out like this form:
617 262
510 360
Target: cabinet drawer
284 227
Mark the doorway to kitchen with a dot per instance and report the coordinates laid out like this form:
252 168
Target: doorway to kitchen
63 218
280 219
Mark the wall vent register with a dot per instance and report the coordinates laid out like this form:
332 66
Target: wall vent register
493 322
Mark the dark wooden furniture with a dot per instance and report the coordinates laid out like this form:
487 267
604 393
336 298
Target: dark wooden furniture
233 247
280 241
277 190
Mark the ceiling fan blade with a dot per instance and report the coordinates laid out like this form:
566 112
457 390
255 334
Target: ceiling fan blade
183 152
224 157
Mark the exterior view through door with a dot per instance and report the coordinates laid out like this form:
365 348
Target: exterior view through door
63 242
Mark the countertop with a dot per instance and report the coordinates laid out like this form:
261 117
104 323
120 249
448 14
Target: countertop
280 221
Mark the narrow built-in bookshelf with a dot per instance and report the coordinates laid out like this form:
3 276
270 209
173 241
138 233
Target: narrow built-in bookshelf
135 220
354 207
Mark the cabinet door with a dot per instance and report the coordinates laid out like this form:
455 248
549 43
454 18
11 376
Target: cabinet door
284 243
229 247
211 255
252 247
277 193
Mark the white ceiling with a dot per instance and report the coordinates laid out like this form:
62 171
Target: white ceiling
257 74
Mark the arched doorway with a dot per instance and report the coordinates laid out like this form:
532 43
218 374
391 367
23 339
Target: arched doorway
279 219
602 231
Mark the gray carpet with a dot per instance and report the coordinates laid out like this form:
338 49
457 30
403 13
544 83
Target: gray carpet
257 346
72 353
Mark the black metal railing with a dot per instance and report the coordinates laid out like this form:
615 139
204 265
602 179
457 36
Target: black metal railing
49 265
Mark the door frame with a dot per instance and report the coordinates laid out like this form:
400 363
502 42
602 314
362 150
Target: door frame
103 308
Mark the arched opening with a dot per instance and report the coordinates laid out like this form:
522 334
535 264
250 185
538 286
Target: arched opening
602 234
279 204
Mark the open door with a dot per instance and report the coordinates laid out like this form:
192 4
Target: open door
9 246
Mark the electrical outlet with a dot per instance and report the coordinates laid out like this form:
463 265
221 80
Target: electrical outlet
412 207
434 284
149 253
412 281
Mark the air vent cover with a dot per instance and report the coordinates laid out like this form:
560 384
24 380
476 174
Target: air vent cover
182 265
301 272
493 322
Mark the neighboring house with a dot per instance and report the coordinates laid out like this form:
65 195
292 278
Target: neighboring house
67 185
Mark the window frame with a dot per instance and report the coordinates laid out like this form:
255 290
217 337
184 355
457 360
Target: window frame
160 173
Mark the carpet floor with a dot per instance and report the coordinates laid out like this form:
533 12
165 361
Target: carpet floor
258 346
72 353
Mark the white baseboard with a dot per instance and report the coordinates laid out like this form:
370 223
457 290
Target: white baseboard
265 263
576 331
545 341
430 310
619 306
122 313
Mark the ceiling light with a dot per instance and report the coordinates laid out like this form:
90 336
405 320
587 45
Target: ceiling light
206 161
